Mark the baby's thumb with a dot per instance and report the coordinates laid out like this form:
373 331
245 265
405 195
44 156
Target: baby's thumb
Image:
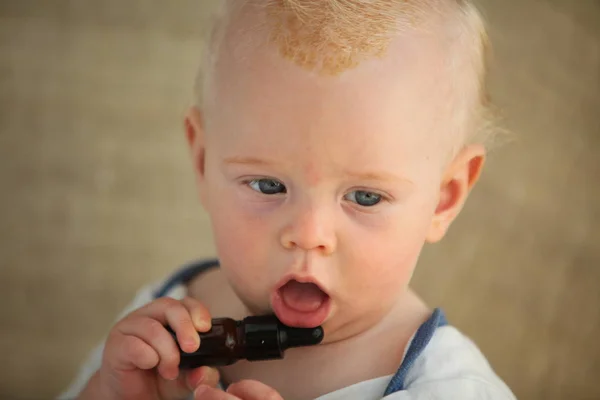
187 382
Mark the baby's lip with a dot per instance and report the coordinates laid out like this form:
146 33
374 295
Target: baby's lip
307 315
301 279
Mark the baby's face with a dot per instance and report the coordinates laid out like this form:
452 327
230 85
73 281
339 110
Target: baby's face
329 183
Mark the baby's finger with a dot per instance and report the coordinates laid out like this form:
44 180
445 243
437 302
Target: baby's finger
172 312
156 336
200 316
202 376
130 353
207 393
253 390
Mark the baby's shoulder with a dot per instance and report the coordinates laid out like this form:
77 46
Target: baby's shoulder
454 367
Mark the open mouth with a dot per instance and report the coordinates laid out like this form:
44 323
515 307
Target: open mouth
300 304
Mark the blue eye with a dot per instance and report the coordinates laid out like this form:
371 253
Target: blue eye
267 186
363 198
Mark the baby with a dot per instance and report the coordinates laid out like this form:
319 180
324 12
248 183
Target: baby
331 140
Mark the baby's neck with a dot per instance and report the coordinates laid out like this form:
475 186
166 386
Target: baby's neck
374 353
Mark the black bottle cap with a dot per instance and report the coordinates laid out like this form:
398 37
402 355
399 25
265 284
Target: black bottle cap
267 338
261 338
299 337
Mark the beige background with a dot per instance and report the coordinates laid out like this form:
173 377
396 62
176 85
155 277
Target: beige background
97 193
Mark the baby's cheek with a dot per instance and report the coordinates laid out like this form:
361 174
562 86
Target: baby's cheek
388 268
242 246
239 241
235 229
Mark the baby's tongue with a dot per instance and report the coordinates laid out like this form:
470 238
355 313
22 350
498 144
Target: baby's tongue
303 297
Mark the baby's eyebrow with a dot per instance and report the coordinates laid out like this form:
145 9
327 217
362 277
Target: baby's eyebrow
377 176
247 161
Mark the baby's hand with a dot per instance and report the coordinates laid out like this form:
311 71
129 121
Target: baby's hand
141 359
242 390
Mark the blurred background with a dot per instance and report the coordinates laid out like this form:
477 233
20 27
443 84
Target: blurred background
98 198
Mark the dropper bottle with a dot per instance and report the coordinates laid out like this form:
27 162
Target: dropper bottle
253 339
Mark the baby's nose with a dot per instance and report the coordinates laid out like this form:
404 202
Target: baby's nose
310 230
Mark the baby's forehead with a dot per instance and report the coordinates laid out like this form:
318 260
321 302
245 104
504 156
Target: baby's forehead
262 97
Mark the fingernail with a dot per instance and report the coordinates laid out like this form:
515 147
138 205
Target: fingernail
191 343
202 324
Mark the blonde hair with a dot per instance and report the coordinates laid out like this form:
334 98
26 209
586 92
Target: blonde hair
331 36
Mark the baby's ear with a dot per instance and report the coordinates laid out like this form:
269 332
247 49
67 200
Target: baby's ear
195 135
460 177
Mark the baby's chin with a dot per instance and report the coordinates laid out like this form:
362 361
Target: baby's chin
338 329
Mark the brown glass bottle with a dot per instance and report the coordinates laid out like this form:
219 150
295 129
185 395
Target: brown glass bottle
253 339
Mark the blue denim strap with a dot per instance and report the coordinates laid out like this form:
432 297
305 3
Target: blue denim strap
418 344
184 275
